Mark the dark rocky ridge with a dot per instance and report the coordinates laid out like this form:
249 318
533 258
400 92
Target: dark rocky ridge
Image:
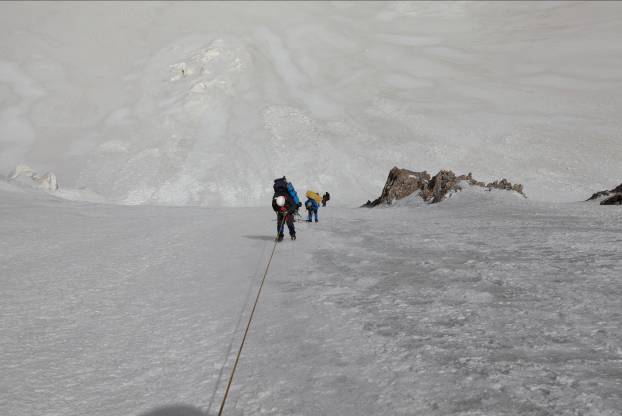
613 197
403 182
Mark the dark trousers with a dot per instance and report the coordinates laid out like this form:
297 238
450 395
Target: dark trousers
312 212
280 224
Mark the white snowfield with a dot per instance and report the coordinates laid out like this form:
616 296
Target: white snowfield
206 103
485 304
126 290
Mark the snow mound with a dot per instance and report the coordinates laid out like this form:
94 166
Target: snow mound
25 175
466 196
24 179
82 194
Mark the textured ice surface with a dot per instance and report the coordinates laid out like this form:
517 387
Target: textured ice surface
485 304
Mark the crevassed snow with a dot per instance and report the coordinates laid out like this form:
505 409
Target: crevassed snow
206 103
484 304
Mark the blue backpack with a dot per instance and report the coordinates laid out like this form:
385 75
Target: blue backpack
281 186
293 193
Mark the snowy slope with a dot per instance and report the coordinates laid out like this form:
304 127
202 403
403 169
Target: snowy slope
494 306
330 94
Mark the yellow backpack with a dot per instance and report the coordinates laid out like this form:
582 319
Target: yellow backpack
315 196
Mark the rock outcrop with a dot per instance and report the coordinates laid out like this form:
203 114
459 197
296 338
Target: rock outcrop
613 200
612 197
432 189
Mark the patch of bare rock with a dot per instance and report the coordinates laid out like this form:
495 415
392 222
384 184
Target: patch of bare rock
612 197
432 189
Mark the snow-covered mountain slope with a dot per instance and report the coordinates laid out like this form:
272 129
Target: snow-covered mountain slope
206 103
469 307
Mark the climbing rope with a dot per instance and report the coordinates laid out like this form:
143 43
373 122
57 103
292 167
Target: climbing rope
248 325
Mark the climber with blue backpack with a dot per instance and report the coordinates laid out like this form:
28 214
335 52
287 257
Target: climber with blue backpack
312 207
285 203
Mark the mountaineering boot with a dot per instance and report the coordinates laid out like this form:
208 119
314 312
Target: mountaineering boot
280 237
